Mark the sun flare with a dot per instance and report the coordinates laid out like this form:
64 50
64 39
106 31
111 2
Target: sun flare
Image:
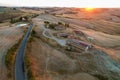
89 9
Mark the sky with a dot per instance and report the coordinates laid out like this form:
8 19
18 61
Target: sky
63 3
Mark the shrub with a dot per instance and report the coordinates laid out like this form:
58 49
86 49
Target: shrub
66 25
60 23
101 77
46 22
52 26
9 59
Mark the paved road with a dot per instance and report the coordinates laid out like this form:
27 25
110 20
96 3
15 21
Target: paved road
19 63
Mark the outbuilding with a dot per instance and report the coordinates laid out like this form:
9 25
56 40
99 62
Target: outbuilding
78 45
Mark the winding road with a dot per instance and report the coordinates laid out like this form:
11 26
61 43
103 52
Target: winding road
19 62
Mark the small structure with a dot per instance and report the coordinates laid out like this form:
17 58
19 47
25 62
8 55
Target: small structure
23 19
22 25
90 38
78 32
64 35
59 27
78 45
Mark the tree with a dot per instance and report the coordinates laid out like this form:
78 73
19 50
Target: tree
14 9
20 18
52 26
60 23
12 20
66 25
46 22
26 18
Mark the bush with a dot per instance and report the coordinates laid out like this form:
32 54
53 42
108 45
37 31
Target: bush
10 54
10 57
35 15
46 22
33 33
101 77
60 23
66 25
52 26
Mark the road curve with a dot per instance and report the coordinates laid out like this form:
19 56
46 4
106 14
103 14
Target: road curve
19 62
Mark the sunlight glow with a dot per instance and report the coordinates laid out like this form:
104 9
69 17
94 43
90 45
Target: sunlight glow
89 9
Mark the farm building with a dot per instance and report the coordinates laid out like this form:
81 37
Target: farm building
80 33
59 27
64 35
78 45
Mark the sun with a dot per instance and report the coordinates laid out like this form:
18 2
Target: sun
89 9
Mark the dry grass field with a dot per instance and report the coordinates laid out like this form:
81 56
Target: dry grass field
32 11
8 37
50 62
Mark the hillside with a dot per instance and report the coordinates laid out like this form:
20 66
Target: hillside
50 60
104 20
65 43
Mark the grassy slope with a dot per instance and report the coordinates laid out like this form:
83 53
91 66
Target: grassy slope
7 13
104 20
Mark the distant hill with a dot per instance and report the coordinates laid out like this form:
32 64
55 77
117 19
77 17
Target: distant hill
8 13
5 9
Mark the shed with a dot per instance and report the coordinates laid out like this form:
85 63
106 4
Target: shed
79 45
